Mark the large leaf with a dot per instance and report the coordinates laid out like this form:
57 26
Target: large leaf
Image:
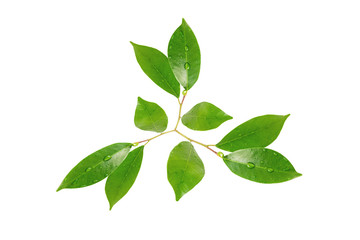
261 165
156 65
184 55
96 166
204 116
121 180
150 117
257 132
184 169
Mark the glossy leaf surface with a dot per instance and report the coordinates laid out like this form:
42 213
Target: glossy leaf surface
150 117
121 180
96 166
156 66
204 116
257 132
184 169
261 165
184 55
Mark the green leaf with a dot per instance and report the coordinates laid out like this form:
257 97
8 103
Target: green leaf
156 66
184 55
257 132
204 116
96 166
261 165
184 169
121 180
150 117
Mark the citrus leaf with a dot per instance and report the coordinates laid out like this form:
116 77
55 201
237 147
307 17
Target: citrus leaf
184 169
156 66
261 165
257 132
204 116
121 180
96 166
184 55
150 117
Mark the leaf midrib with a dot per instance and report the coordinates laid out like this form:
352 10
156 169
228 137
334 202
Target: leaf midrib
186 57
186 167
245 135
163 78
259 167
152 121
92 168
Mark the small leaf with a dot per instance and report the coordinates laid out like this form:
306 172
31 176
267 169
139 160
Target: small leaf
184 55
257 132
96 166
156 66
121 180
150 117
261 165
184 169
204 116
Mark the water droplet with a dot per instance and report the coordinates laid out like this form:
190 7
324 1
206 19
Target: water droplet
275 154
170 47
250 165
270 170
135 144
186 48
184 92
107 158
88 169
220 154
264 150
187 66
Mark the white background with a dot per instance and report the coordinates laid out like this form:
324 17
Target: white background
69 85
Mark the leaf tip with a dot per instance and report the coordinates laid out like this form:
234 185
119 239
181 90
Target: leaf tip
177 197
60 187
287 115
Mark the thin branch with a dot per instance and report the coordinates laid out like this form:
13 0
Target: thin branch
175 130
202 144
179 117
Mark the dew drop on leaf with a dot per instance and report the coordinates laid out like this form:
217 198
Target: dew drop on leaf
186 48
107 158
270 170
87 169
187 66
250 165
